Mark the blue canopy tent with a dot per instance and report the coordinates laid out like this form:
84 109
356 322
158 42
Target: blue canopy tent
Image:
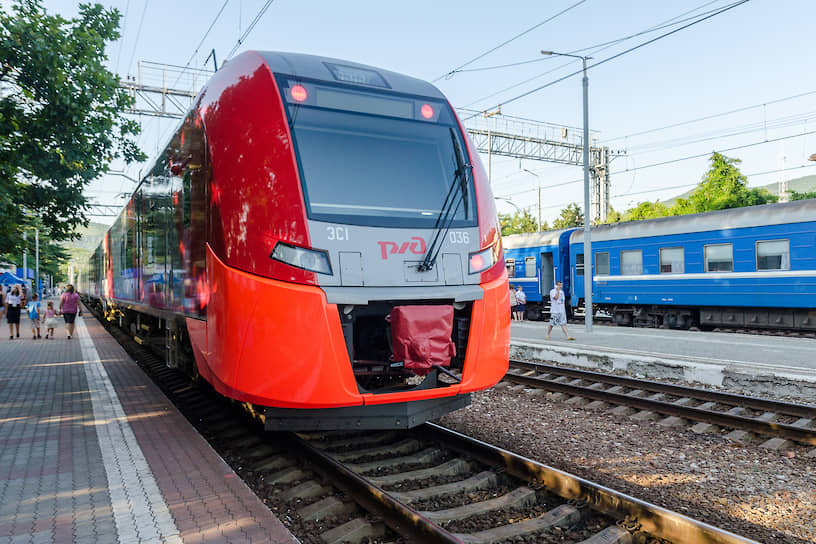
7 278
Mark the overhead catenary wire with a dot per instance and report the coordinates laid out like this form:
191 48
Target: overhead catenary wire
617 55
672 161
251 26
658 189
122 37
201 42
712 116
138 33
517 36
597 48
753 174
594 48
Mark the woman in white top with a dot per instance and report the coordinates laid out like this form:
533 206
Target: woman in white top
12 307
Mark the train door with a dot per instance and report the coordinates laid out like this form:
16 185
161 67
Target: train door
547 275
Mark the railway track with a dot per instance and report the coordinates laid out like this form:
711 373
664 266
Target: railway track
426 485
707 410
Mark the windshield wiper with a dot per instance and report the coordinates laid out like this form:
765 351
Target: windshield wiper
451 205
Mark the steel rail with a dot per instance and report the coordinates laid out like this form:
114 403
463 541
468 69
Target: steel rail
781 430
653 519
785 408
403 519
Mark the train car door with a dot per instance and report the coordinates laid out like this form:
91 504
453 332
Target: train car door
547 275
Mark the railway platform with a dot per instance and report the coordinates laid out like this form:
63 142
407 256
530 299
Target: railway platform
754 364
92 451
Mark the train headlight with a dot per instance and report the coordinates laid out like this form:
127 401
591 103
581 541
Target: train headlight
314 260
482 260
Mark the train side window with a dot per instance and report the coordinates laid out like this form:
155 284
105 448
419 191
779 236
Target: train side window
602 263
672 260
773 255
510 264
719 258
579 264
631 262
530 267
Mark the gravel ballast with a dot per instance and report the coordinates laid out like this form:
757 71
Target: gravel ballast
768 496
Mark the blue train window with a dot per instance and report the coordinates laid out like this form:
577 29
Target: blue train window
510 264
672 260
530 267
631 262
579 264
719 258
773 255
602 263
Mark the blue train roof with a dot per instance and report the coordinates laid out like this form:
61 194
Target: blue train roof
533 239
347 72
799 211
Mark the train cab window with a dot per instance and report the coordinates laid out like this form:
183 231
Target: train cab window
602 263
378 158
719 258
631 262
672 260
579 264
530 267
510 264
773 255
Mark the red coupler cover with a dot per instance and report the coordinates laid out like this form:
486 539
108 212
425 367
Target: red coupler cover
421 336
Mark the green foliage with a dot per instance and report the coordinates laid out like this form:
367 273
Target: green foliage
52 257
61 117
722 187
802 196
571 216
613 216
521 221
646 210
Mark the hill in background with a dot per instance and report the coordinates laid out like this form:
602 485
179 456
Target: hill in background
800 185
89 237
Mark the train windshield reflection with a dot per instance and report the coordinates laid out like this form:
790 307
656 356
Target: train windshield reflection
369 160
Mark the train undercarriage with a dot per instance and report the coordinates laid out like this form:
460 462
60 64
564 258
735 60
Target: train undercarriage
368 340
707 318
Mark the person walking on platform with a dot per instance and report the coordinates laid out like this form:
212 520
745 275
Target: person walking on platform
513 303
12 307
558 314
33 308
50 320
69 307
521 300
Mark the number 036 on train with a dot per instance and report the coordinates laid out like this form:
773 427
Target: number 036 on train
318 239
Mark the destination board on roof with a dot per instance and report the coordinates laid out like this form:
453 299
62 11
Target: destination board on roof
360 76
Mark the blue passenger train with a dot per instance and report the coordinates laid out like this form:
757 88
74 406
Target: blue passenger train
536 261
751 267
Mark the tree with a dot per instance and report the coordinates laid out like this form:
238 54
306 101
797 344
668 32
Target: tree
613 216
802 196
61 117
646 210
724 187
571 216
521 221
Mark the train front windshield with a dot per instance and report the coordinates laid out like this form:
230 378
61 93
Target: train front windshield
376 158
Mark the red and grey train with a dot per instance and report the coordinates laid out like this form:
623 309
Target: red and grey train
318 239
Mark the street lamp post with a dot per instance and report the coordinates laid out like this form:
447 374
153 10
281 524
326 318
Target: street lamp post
587 234
508 201
539 195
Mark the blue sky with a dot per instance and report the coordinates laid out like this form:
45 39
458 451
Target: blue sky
754 54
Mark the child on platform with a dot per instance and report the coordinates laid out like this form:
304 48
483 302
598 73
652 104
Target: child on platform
33 308
50 320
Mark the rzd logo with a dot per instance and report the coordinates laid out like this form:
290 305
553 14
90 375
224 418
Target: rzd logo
416 245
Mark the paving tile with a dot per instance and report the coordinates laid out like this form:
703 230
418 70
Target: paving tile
57 482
